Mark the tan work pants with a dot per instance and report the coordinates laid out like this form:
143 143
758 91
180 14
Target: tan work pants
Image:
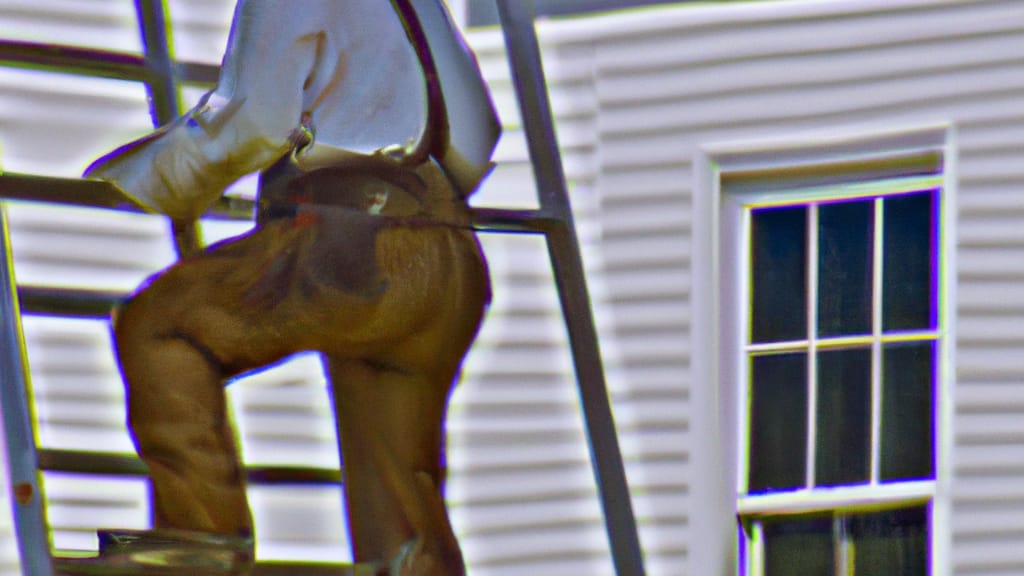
392 307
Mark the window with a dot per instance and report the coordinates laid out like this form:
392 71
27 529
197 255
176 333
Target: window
833 356
841 368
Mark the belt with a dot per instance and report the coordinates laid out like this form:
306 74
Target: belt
376 186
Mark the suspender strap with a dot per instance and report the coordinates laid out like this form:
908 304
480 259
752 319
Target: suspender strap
436 133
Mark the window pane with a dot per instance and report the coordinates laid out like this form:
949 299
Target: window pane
909 270
798 547
907 383
843 447
891 543
778 270
845 231
778 422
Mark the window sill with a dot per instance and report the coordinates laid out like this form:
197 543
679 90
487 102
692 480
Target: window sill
840 497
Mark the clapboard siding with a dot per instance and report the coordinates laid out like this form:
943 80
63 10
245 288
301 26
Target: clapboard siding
692 77
109 25
636 96
56 124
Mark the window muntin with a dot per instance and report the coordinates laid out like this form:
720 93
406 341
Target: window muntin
840 369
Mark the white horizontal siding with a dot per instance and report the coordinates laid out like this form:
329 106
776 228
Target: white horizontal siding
516 439
109 25
636 95
55 124
672 81
200 28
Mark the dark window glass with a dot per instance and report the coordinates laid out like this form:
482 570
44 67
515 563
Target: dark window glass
845 231
799 547
778 422
907 411
843 443
909 270
891 543
779 274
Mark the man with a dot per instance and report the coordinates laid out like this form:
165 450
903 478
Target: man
378 126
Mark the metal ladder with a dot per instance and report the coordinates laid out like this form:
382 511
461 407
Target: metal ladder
159 72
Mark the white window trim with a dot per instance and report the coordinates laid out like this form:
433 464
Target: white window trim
717 331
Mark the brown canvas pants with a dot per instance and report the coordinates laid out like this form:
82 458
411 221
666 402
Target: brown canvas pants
392 304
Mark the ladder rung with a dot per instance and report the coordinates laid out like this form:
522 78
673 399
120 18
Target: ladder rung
94 193
300 569
502 220
100 63
72 191
80 462
69 302
94 566
100 194
91 462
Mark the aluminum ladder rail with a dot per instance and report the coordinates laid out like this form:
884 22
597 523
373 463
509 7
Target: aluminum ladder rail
558 226
18 429
553 220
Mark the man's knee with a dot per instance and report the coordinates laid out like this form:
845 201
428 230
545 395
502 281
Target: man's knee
142 317
129 319
154 329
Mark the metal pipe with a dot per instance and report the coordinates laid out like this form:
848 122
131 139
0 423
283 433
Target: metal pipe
499 220
163 93
97 63
91 193
73 60
79 462
68 302
67 191
16 408
156 45
102 194
517 18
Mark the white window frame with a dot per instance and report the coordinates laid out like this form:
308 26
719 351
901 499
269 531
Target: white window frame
718 417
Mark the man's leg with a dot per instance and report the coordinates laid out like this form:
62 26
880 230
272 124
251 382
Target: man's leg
178 341
390 423
394 357
178 419
390 405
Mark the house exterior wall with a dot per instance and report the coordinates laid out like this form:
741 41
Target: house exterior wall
672 83
638 98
